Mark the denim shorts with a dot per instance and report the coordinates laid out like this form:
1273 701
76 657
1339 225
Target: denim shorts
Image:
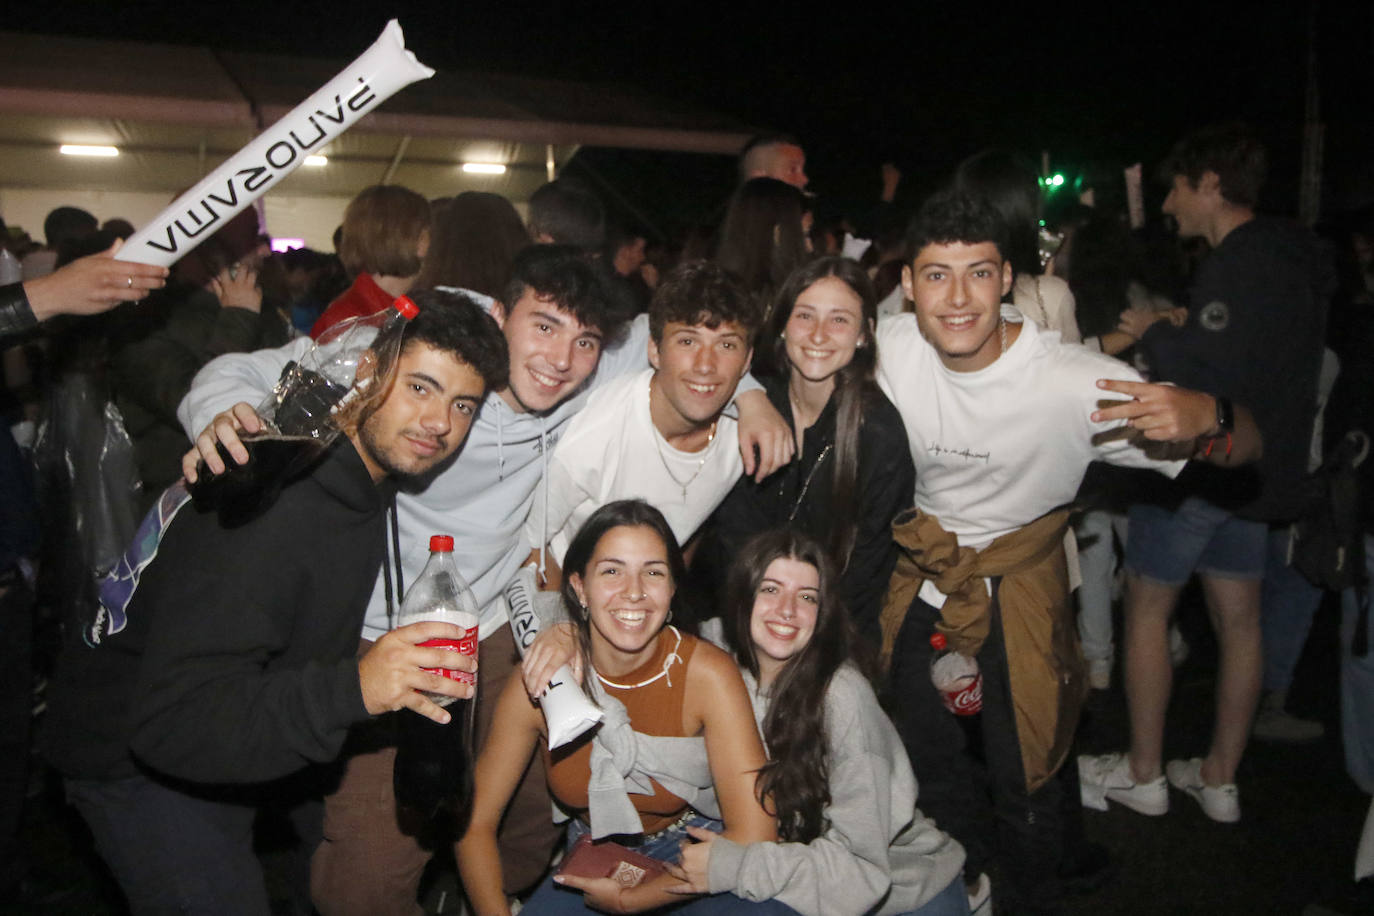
1168 546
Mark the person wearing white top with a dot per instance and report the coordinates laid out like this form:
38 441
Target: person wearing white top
1002 421
660 435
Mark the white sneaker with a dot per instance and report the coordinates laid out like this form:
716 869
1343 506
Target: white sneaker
1220 803
1107 777
980 901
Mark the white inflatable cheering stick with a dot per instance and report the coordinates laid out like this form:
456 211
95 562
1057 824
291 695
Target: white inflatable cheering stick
379 73
567 711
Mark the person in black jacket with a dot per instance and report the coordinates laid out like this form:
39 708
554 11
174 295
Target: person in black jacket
853 470
233 664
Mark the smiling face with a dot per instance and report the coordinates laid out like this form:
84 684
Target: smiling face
786 604
697 369
627 588
425 416
551 352
958 290
825 328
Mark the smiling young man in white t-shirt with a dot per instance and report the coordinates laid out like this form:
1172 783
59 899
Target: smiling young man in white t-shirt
1002 422
660 435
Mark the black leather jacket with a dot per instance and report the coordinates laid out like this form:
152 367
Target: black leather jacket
15 313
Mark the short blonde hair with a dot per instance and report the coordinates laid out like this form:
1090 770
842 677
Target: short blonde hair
381 233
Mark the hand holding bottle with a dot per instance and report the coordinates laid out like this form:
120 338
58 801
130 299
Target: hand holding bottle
393 676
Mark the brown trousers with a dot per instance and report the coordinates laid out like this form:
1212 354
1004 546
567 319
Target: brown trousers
371 859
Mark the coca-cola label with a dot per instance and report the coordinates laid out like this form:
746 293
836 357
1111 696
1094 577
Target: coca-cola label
466 646
966 698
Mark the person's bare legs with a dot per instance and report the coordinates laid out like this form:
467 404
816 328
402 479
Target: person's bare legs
1149 672
1234 607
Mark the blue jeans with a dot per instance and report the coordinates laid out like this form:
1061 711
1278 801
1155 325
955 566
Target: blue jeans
952 901
1288 602
552 900
1168 546
1357 687
172 852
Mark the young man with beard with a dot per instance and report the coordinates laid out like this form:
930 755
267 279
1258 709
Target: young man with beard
662 434
566 339
1002 422
233 664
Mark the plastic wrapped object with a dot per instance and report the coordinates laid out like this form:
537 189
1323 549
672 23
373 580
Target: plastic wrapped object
301 415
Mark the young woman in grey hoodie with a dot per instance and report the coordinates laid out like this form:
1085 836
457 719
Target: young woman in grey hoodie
838 779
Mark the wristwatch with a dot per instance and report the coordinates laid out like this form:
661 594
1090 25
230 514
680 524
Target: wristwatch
1226 416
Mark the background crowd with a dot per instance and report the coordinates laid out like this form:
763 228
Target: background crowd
93 436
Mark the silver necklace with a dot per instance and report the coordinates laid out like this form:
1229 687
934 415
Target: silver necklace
1002 333
806 485
658 447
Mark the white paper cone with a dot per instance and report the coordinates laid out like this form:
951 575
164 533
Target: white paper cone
567 711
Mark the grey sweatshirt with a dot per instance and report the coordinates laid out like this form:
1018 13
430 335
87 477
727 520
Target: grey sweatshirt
482 498
879 855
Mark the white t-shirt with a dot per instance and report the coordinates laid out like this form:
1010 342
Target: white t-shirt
998 448
611 451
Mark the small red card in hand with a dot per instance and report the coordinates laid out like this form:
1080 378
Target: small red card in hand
609 860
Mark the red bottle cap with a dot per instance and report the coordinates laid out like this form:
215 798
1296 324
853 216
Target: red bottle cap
406 307
937 640
442 543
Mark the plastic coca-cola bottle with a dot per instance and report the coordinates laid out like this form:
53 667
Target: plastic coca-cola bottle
434 762
299 415
957 678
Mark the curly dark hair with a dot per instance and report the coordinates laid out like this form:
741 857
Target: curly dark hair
447 321
703 293
794 785
573 280
954 215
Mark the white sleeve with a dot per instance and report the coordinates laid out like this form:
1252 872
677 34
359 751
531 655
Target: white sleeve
628 354
845 870
1112 442
226 380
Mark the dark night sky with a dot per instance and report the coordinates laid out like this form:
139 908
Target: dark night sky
922 86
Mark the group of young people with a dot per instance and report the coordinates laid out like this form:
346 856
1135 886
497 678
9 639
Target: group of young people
763 771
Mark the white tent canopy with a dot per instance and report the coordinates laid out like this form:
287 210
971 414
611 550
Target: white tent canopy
175 112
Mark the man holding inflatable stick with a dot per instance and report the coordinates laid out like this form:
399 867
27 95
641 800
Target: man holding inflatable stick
1003 420
556 316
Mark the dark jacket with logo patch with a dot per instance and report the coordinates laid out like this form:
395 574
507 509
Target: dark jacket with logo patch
1255 331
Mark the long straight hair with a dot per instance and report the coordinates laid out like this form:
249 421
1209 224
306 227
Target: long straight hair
794 785
855 387
762 239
